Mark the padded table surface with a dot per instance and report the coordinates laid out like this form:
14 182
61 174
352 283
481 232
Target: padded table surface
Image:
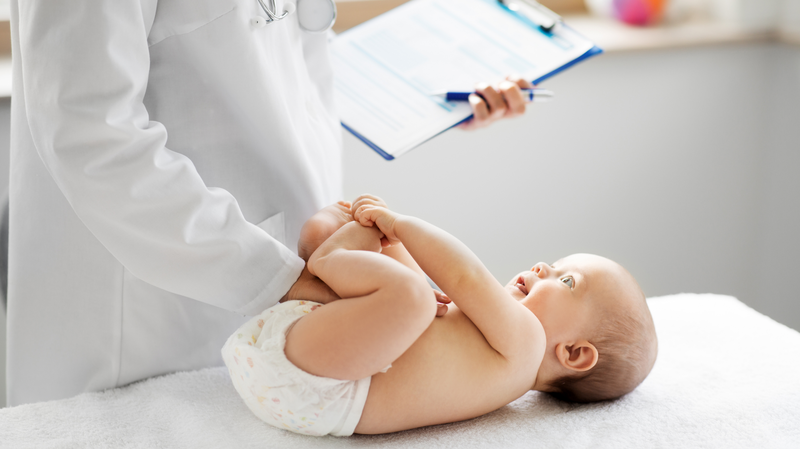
726 376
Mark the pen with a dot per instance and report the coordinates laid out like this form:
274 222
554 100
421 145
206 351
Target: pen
530 95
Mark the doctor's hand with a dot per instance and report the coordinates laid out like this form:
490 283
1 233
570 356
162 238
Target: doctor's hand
310 288
503 100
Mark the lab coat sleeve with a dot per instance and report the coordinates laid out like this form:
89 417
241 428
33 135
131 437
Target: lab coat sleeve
85 66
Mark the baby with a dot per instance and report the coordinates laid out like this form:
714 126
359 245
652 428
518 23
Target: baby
379 361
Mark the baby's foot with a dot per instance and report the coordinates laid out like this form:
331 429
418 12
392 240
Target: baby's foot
321 226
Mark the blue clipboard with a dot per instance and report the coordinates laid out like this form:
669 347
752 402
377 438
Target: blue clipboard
595 50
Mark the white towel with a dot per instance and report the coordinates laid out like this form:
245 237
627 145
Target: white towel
726 377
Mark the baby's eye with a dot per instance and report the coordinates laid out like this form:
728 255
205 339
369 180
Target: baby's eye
569 281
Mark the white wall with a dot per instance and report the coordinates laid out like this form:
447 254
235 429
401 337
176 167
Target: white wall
789 20
679 164
777 239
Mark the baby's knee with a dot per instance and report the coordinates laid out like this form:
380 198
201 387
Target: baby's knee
417 298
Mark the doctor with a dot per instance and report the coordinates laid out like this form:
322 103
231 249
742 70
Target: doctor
164 154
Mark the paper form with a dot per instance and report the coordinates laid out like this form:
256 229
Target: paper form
386 68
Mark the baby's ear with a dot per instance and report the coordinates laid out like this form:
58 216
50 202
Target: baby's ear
577 356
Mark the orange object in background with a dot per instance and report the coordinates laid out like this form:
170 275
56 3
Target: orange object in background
639 12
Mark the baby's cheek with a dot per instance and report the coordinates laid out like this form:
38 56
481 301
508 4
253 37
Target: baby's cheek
545 291
545 299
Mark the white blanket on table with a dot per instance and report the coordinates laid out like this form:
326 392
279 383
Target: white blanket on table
726 377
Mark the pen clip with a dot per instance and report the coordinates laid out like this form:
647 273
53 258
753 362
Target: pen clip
533 11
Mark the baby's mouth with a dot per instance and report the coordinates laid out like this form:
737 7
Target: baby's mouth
521 285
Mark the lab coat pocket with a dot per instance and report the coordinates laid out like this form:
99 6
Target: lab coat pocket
275 226
176 17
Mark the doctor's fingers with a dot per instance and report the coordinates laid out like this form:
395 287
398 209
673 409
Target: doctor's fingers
494 99
480 114
512 95
520 81
485 110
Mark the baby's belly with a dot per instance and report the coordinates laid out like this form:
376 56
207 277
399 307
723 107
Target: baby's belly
449 374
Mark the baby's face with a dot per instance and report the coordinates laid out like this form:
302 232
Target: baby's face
568 295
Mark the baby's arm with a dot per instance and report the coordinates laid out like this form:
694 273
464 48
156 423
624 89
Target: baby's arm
507 325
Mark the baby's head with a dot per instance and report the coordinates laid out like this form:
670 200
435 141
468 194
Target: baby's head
601 342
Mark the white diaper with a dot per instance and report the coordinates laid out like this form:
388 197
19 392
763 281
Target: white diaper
282 394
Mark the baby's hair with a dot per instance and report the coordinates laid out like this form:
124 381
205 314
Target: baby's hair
626 344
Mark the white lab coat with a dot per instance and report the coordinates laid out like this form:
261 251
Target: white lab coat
164 155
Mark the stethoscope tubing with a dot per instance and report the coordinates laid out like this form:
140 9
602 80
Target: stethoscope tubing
272 15
270 11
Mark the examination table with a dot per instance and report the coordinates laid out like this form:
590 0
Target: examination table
726 377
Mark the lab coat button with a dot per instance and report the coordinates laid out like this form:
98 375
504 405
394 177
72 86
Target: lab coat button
258 22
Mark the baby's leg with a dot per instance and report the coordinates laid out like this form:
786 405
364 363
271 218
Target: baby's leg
385 308
321 226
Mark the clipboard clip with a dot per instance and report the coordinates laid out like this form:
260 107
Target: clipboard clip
534 12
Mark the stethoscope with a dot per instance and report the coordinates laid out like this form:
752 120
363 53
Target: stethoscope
316 16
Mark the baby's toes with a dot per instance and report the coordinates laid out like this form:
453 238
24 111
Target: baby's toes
340 214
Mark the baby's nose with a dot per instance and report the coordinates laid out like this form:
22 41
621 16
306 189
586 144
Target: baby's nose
541 270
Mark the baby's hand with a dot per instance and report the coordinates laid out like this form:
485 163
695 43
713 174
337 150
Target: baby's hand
367 199
370 200
369 215
442 301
